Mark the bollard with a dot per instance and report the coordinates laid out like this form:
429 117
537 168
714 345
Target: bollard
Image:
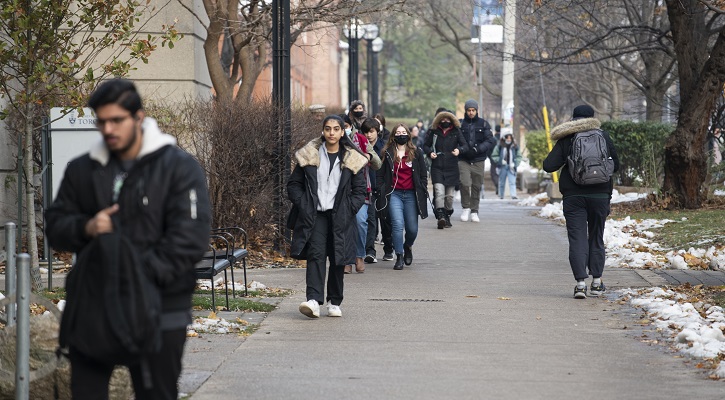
22 341
10 271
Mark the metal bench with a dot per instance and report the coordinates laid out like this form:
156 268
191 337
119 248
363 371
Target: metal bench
224 253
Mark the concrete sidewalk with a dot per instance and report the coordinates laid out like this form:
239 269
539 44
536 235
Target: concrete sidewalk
485 312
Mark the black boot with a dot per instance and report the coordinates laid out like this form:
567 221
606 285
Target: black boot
447 219
398 262
407 255
441 216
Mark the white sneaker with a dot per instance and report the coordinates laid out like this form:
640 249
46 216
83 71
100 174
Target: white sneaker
474 217
310 308
333 311
464 215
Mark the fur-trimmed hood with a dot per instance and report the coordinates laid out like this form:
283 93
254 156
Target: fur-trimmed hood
153 139
574 126
309 154
442 115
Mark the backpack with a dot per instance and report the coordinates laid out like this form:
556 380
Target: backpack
589 161
113 309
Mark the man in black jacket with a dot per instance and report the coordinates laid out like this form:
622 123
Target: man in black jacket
137 176
471 164
586 207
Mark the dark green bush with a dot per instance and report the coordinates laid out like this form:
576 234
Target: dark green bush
641 150
536 148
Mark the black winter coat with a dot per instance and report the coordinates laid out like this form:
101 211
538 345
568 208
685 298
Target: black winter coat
386 181
444 168
163 209
557 158
477 133
350 196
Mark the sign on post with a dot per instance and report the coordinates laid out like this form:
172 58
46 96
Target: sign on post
71 136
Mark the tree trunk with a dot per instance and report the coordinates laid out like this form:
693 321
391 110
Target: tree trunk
655 97
702 73
29 168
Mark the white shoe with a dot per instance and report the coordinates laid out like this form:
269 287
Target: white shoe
310 308
465 213
333 311
474 217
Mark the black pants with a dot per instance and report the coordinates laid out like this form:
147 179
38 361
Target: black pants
585 218
321 248
494 174
90 378
386 230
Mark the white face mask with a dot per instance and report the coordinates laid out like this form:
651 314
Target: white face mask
508 142
348 131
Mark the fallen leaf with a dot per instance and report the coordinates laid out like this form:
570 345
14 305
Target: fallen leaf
212 315
472 296
538 318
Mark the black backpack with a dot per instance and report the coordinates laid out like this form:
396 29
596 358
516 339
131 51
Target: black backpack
589 160
113 309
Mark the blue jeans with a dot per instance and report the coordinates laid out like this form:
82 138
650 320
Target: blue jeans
361 218
506 172
403 212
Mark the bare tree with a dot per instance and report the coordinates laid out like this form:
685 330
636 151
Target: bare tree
247 25
698 34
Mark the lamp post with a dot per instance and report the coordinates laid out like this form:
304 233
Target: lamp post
353 32
375 46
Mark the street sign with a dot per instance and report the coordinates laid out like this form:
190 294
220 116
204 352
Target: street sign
71 136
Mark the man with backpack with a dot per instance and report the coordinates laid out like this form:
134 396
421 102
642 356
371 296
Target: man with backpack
471 164
136 205
589 159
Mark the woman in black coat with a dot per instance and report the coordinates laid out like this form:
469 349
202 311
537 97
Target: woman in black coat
326 188
403 185
443 143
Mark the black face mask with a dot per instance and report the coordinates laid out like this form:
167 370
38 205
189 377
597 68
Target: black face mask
402 139
445 124
358 114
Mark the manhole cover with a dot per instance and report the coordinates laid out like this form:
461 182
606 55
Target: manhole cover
411 300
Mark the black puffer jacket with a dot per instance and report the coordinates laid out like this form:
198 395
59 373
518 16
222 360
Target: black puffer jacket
163 209
444 168
386 181
557 158
477 133
350 196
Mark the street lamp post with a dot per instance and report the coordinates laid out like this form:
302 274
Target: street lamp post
353 32
375 46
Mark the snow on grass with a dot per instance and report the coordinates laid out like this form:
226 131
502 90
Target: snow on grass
720 192
629 244
693 329
214 324
535 200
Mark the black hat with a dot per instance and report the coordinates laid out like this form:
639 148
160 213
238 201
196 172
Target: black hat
583 111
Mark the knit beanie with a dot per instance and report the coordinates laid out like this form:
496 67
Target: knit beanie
471 104
583 111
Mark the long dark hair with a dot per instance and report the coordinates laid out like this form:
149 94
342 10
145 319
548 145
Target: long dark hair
344 140
409 147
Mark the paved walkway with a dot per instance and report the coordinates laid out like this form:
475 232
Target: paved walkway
485 312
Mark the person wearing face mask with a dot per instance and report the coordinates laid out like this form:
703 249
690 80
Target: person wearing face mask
507 158
472 163
403 184
357 114
384 132
361 143
326 188
443 143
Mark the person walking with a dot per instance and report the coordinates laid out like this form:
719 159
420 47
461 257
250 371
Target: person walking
494 168
472 164
357 114
403 184
137 179
443 143
326 188
507 158
370 128
586 207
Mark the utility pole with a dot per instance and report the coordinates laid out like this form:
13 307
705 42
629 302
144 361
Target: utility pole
509 41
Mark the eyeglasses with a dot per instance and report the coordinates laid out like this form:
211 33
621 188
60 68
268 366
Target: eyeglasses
114 121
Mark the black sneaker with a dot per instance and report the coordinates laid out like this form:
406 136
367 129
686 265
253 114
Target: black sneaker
407 255
580 293
388 257
597 290
370 259
447 222
441 223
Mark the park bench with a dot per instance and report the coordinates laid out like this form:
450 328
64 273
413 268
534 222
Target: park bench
224 252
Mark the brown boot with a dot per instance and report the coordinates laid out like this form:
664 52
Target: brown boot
359 265
348 269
